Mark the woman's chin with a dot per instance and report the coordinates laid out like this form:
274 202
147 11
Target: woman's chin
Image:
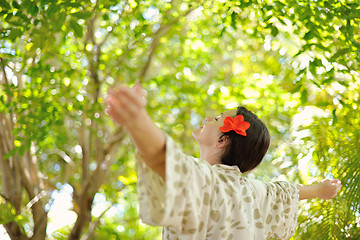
196 133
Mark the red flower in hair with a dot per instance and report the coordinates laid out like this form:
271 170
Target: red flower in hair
236 124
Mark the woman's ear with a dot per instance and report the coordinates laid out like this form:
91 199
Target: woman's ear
223 141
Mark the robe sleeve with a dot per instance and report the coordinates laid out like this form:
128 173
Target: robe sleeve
175 202
279 207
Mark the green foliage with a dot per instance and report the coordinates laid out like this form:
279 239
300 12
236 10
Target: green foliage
279 58
8 214
337 153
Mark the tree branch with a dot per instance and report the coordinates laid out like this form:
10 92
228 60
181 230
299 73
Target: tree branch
7 181
16 171
40 220
5 198
118 136
90 234
11 181
84 143
3 70
9 97
14 231
164 29
113 26
84 213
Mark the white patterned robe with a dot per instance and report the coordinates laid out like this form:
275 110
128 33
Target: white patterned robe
199 201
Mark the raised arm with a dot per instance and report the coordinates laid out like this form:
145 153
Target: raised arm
326 189
126 106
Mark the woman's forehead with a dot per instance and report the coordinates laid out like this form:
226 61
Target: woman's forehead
231 112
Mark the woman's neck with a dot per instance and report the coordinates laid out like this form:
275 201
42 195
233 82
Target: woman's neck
210 154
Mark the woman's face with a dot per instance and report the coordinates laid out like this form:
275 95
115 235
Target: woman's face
209 133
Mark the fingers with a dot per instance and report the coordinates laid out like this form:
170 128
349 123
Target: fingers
329 188
137 88
336 181
130 96
332 181
114 105
124 105
140 92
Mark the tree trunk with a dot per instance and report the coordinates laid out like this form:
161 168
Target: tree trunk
84 215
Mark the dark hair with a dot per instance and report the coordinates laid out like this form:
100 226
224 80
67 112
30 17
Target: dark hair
247 151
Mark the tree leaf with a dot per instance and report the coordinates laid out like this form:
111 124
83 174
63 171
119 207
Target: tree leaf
233 20
78 30
304 96
15 4
33 9
59 21
5 5
274 31
335 119
52 8
14 34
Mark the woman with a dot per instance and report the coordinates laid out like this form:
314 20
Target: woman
208 198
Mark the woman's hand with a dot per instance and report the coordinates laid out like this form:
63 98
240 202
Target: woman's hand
126 106
327 189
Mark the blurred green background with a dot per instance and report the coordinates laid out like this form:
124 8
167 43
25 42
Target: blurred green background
67 172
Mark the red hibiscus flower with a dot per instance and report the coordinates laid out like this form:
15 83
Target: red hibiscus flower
236 124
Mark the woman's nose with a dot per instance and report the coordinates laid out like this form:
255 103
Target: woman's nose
208 119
